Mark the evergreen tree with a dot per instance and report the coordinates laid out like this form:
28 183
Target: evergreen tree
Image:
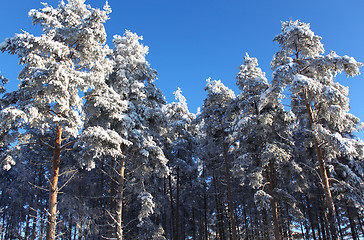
132 79
180 147
68 58
319 103
216 139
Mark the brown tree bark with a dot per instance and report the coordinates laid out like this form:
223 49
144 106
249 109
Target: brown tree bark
53 191
324 178
119 198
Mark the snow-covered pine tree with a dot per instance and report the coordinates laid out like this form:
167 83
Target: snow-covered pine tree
180 150
215 139
262 133
145 162
3 81
68 58
104 140
320 103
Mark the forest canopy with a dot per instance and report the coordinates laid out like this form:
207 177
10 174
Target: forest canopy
90 149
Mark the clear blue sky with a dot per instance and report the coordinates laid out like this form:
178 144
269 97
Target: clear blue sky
192 40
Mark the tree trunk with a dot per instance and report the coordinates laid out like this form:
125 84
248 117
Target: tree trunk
193 214
245 221
310 218
205 226
302 231
33 200
349 211
177 204
360 217
265 229
274 209
193 223
164 212
219 214
320 230
53 191
173 217
119 198
230 198
338 223
36 203
112 197
324 178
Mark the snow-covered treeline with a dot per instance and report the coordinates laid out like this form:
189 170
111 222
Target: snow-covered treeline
90 149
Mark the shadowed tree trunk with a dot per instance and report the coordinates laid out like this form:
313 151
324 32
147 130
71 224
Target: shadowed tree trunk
219 214
230 198
173 216
36 203
177 204
119 198
274 209
310 218
349 212
360 218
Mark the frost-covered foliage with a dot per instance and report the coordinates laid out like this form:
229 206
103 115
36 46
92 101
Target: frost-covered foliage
67 58
180 145
59 66
214 138
132 79
134 167
148 206
180 134
129 107
320 104
215 123
3 81
131 67
262 135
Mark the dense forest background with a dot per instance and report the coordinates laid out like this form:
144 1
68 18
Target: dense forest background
90 149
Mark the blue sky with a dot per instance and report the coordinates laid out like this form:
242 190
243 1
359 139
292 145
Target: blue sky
192 40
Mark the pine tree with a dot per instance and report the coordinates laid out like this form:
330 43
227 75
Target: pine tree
216 139
68 58
132 79
180 148
262 133
319 103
